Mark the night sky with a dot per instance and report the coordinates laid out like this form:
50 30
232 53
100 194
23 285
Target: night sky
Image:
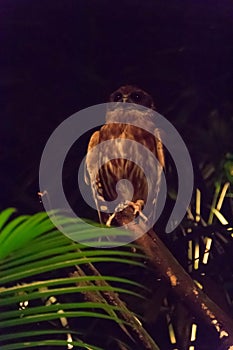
58 57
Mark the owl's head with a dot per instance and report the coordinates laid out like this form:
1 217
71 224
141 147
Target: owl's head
132 94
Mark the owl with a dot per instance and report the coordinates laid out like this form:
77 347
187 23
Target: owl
116 173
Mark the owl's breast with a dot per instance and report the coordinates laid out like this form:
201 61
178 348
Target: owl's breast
127 161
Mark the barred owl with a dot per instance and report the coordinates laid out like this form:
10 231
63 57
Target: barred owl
104 184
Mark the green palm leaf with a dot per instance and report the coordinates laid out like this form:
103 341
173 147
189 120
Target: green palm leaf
32 252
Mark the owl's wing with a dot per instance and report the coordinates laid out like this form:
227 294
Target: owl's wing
91 160
159 148
159 153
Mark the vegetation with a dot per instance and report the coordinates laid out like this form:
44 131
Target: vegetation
58 293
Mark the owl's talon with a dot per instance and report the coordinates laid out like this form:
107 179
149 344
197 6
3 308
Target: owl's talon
109 221
119 207
138 206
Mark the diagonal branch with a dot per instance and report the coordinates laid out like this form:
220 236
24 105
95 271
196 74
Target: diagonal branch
182 284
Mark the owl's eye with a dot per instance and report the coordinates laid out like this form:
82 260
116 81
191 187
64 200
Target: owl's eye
136 96
117 97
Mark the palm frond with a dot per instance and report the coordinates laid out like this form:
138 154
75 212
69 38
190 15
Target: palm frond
43 284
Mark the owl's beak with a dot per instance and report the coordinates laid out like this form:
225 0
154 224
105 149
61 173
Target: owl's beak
124 98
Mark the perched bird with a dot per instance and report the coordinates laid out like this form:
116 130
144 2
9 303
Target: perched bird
128 162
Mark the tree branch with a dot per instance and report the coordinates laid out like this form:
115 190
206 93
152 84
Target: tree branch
182 284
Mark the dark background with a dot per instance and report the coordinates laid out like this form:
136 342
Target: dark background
58 57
